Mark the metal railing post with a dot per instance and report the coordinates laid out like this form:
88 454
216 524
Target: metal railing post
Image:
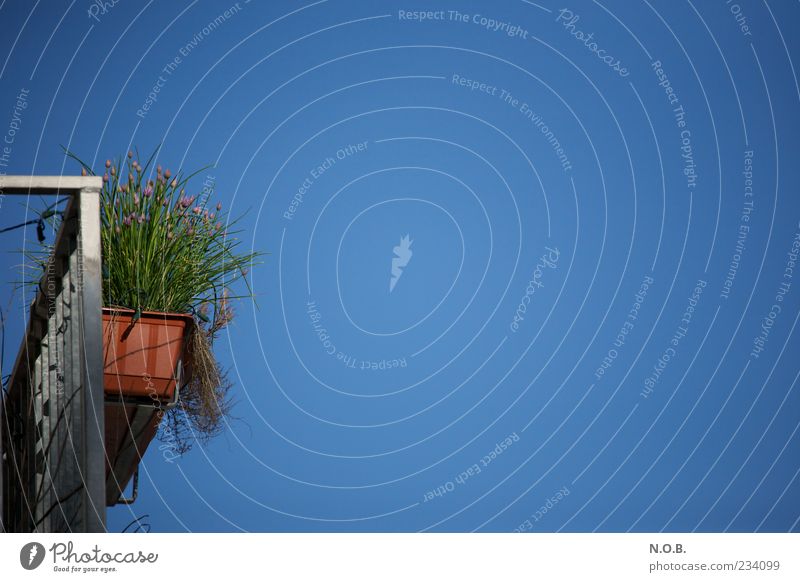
93 418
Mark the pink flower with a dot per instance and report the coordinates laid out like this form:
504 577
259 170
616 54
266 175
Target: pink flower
219 206
136 199
130 154
167 174
218 226
105 177
108 163
148 192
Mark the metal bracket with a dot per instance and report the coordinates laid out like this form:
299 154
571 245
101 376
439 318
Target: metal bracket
134 494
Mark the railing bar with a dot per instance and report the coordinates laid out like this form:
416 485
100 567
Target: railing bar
67 387
76 366
48 373
36 399
60 481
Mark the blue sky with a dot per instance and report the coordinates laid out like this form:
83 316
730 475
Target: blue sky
600 203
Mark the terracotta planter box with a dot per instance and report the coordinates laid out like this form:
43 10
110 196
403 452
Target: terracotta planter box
140 358
140 369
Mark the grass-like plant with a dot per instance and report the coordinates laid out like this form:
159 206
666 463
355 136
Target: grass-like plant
165 249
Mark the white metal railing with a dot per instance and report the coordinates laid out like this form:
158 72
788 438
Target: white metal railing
52 435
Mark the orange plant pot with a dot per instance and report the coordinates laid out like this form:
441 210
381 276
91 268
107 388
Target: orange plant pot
140 361
140 358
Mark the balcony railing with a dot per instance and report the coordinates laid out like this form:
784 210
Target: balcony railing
51 442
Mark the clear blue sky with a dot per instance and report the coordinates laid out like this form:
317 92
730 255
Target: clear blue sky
600 200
